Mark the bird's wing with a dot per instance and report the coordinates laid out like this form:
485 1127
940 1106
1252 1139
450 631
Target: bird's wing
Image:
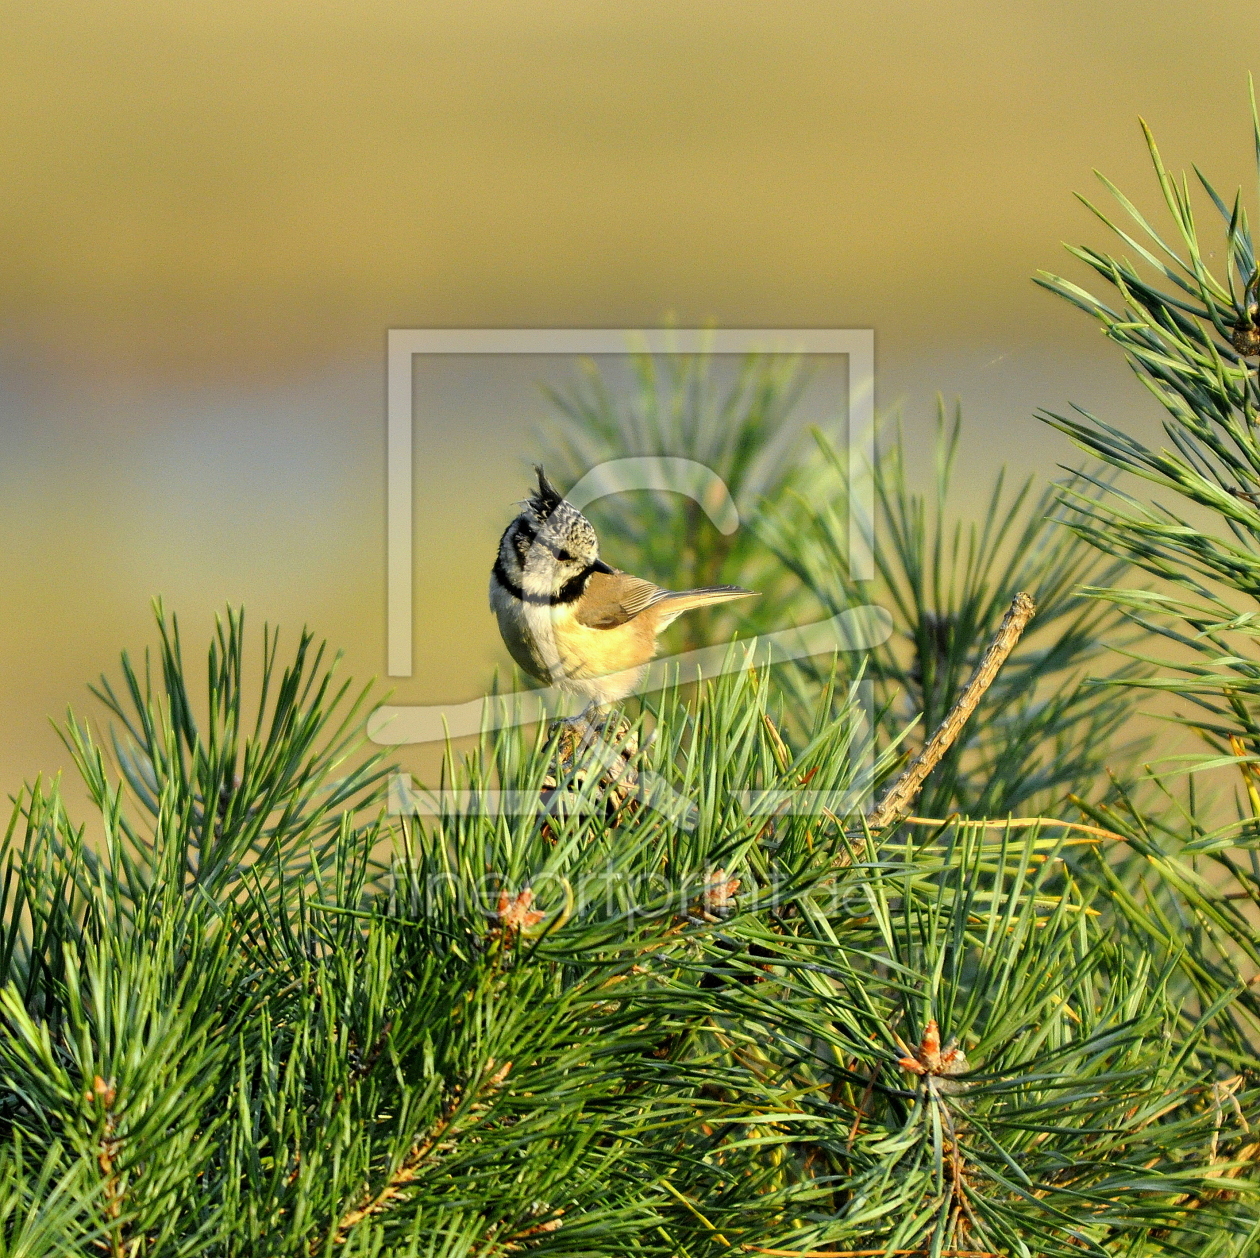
611 600
674 604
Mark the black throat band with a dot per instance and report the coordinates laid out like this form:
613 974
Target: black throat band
569 592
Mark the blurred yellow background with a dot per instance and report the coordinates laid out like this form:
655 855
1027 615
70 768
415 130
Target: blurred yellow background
214 212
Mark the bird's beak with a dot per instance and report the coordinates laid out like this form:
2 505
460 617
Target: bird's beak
600 566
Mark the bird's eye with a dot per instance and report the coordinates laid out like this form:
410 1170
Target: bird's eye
564 556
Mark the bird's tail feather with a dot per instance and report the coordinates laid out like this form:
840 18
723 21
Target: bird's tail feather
673 604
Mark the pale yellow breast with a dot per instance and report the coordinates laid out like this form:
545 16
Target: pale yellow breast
549 643
586 652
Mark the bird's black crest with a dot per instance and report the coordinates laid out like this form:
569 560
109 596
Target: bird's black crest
548 497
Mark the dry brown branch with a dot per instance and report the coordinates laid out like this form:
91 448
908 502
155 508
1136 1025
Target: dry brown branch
898 796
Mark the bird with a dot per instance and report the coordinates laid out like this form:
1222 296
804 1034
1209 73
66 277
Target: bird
568 618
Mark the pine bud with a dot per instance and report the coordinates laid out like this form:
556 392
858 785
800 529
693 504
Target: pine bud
1246 335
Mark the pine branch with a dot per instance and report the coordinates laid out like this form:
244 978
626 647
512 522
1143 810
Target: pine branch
899 795
374 1202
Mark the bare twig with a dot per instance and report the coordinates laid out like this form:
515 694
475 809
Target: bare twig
899 796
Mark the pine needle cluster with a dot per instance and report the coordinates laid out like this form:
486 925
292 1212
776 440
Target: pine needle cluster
265 1017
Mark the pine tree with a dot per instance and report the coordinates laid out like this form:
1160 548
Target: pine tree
234 1028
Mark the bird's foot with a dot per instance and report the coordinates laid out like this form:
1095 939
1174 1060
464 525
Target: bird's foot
601 741
594 727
